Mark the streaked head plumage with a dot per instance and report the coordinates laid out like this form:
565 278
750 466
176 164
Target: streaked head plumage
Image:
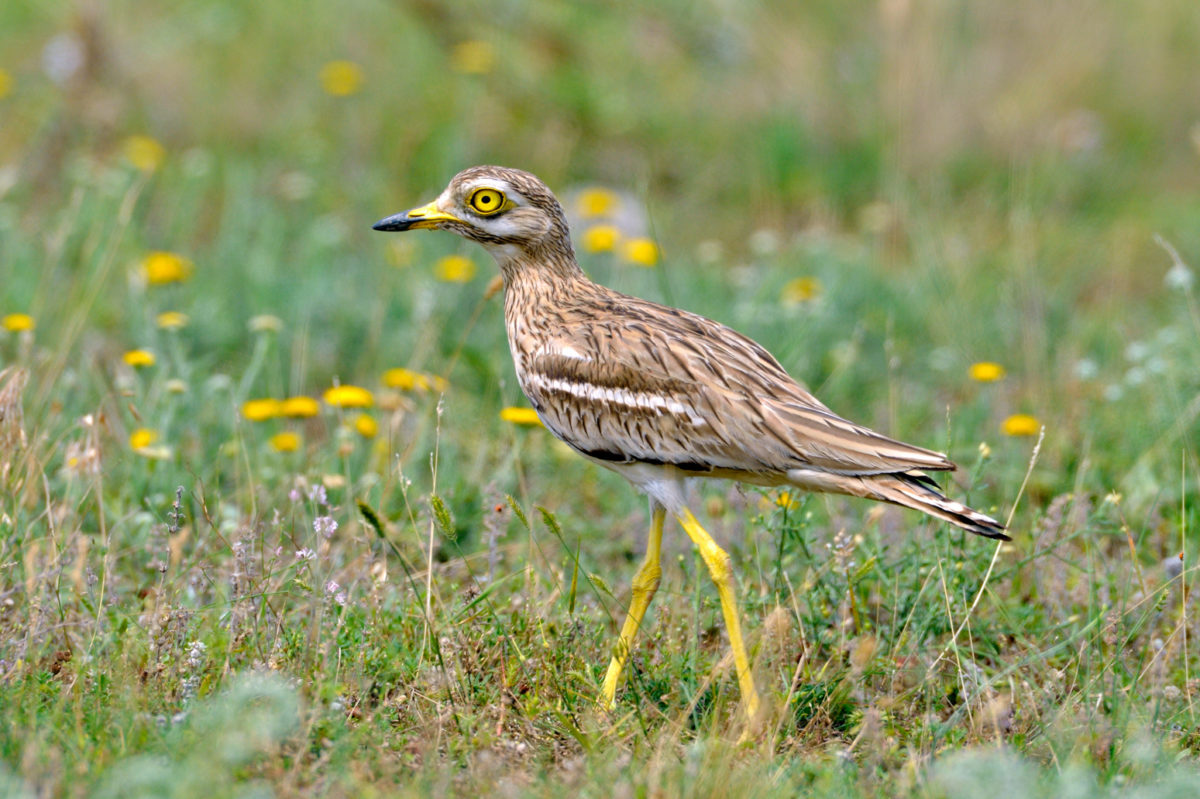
509 211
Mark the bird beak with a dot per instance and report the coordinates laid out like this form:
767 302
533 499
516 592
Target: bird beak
427 216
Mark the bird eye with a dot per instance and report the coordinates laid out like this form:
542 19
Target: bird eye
486 202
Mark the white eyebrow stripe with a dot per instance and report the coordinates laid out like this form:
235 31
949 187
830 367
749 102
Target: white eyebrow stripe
513 195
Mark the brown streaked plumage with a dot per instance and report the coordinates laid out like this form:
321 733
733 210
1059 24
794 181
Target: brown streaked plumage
660 395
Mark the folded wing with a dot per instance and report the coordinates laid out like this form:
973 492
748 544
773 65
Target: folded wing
659 385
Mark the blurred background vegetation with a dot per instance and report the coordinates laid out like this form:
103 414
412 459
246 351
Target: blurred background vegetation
958 221
1017 161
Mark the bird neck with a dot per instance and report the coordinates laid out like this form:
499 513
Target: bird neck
551 261
537 284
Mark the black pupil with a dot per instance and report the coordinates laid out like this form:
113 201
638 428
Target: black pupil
486 200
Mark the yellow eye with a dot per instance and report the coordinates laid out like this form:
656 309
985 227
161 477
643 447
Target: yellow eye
486 202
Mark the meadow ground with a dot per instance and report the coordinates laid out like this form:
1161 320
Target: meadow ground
273 520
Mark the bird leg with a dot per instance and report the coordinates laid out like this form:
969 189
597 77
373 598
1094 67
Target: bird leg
645 584
722 574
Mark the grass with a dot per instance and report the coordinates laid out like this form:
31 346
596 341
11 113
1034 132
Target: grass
424 602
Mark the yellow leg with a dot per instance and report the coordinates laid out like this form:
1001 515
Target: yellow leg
722 574
645 584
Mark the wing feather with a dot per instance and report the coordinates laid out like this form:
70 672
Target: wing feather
643 382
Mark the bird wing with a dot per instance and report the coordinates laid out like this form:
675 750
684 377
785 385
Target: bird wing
631 380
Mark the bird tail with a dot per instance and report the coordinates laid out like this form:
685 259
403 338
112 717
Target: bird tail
912 489
918 491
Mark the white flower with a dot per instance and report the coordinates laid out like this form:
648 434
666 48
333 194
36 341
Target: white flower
325 526
1179 277
764 241
62 57
195 654
1086 369
305 554
1136 351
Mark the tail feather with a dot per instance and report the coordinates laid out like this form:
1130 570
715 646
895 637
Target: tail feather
918 491
912 489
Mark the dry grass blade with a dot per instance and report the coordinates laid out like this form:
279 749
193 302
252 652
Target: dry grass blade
12 416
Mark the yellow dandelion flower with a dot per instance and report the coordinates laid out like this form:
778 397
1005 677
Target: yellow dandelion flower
597 202
454 269
349 397
401 378
139 358
522 416
1021 424
800 290
18 322
640 251
298 407
408 380
473 57
787 500
259 410
265 323
601 238
6 83
144 153
342 78
985 372
142 438
366 425
162 267
172 320
285 442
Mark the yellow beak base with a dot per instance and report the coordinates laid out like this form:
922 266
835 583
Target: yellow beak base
427 216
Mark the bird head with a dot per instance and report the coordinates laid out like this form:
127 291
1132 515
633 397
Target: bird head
509 212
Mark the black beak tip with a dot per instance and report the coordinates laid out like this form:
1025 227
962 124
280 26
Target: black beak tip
397 222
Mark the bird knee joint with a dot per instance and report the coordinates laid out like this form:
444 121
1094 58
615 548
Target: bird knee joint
718 564
647 579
